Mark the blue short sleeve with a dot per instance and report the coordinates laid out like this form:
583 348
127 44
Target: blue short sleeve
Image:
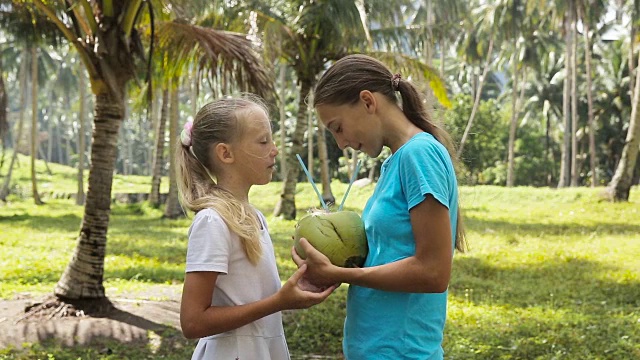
425 168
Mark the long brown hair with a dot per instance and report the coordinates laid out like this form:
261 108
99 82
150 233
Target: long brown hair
342 83
217 122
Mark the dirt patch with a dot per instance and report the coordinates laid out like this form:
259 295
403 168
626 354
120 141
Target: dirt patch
130 320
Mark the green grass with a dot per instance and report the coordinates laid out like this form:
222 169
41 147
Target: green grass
551 274
63 179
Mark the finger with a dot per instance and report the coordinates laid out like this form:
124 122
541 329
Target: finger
298 274
328 291
295 257
306 246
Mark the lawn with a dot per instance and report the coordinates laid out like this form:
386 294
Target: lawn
551 274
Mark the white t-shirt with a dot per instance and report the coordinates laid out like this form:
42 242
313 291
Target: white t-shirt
213 247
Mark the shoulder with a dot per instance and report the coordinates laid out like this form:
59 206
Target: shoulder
424 151
207 220
423 144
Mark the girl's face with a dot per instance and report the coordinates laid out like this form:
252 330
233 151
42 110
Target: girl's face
255 150
353 125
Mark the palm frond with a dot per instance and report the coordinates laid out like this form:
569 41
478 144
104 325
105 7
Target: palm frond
231 56
417 71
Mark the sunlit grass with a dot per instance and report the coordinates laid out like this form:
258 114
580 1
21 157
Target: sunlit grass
63 179
550 273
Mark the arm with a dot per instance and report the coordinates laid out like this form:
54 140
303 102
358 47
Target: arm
199 319
429 270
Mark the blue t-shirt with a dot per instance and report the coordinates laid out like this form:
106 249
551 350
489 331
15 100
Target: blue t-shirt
398 325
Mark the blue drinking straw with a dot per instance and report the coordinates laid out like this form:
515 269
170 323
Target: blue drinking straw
353 178
312 183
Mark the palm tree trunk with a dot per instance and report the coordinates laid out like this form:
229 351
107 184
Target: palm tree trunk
173 210
323 155
158 157
592 128
632 73
372 171
50 127
283 120
620 185
347 162
354 161
428 48
34 125
4 123
310 132
58 133
442 55
565 162
513 124
83 277
81 136
154 119
476 102
574 100
286 206
4 192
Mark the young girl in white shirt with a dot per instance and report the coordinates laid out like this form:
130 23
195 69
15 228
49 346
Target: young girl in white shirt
232 297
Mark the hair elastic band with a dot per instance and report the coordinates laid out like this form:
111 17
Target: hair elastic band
395 81
185 135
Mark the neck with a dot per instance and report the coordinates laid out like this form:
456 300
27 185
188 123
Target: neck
398 128
235 187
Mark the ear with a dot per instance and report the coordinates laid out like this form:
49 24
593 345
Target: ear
369 101
223 153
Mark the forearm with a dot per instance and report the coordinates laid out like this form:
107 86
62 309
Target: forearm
219 319
406 275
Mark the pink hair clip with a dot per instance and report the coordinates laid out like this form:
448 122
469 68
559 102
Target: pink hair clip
185 135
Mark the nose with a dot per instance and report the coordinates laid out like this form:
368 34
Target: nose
341 142
275 150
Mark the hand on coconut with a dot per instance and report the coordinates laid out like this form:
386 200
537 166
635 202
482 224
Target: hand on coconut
320 273
293 295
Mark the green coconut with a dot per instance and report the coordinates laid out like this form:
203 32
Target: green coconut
338 235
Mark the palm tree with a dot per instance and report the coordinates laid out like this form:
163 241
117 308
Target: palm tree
544 96
306 35
107 36
620 186
80 195
590 14
172 209
4 123
473 43
4 191
158 153
34 124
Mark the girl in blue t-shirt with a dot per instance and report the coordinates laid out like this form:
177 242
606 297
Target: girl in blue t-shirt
396 304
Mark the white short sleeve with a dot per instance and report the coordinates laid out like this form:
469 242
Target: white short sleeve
209 245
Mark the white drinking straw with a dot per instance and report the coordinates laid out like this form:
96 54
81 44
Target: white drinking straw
312 183
353 178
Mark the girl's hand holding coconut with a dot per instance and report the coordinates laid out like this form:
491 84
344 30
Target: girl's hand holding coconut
296 294
320 272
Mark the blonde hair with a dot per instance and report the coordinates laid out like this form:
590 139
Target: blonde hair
218 122
346 78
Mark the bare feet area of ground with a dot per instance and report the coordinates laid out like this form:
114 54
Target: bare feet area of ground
136 316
